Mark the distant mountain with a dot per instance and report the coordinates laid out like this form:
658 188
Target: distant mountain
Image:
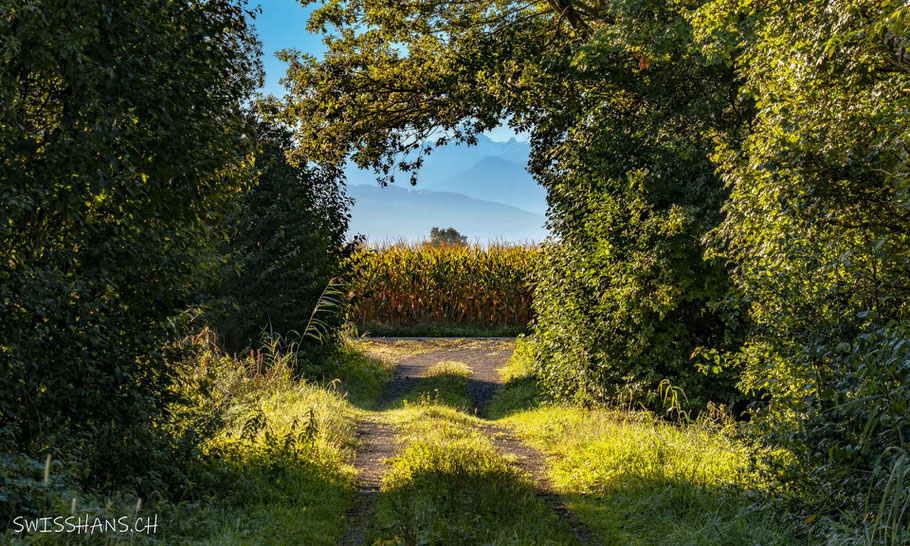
393 213
491 170
499 180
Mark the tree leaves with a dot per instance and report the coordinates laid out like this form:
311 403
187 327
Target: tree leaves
120 140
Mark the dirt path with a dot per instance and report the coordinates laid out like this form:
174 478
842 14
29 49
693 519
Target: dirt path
377 440
532 462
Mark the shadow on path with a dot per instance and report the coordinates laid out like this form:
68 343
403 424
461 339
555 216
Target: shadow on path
378 441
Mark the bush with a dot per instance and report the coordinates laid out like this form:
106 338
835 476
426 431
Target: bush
625 297
120 140
285 245
819 234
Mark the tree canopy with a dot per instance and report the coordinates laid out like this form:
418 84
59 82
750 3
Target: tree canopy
121 137
622 109
817 224
727 182
285 242
446 236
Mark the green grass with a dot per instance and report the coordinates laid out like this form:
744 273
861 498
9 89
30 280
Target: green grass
289 482
444 383
293 475
628 476
359 376
448 484
635 479
520 391
279 473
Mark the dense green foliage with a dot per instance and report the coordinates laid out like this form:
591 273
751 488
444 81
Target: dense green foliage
408 287
729 189
623 111
818 227
728 185
120 139
625 297
285 245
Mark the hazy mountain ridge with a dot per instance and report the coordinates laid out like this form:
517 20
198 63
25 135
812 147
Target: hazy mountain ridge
500 180
393 212
454 158
490 173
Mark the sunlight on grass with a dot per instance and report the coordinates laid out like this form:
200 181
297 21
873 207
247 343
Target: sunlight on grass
520 391
283 465
600 450
634 479
359 375
443 383
278 472
449 367
287 456
449 484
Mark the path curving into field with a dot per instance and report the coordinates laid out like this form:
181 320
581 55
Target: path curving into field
377 439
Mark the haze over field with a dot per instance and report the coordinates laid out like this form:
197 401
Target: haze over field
392 213
483 191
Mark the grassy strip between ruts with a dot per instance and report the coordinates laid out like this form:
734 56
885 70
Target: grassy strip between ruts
279 474
448 484
634 479
443 383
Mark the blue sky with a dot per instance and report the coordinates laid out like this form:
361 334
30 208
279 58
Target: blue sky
282 25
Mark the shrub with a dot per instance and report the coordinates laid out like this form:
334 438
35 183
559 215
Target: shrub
818 231
285 244
120 140
626 297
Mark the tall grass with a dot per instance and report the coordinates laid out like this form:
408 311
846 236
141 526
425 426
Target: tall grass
268 446
633 477
487 287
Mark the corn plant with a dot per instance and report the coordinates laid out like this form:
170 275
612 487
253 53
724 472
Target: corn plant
409 284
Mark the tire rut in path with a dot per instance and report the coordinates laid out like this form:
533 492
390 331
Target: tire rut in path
377 439
532 462
376 443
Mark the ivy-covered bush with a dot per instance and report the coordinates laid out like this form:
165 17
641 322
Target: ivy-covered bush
626 298
120 141
817 229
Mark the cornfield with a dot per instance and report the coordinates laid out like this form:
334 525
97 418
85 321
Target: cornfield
414 284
